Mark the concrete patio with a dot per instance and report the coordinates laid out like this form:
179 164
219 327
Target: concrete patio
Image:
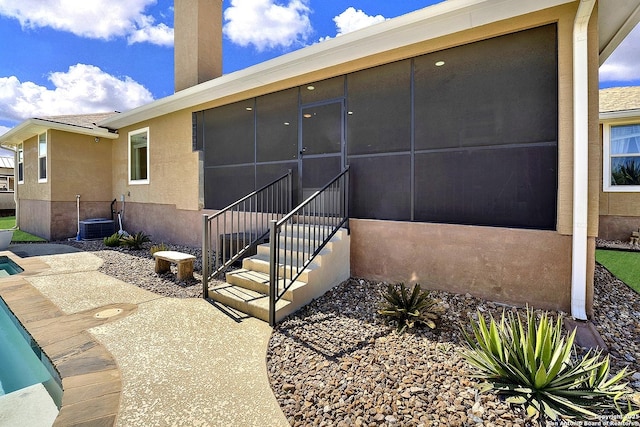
180 362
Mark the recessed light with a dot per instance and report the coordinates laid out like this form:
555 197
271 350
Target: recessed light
249 109
306 116
350 113
310 87
286 123
439 63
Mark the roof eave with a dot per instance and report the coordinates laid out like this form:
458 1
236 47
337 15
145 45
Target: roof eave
429 23
32 127
609 116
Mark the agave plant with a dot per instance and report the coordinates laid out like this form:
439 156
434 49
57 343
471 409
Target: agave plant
410 308
535 366
135 241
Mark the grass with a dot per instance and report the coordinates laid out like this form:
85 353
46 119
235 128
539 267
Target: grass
624 265
19 236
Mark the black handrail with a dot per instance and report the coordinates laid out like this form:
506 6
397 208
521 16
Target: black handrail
299 236
241 225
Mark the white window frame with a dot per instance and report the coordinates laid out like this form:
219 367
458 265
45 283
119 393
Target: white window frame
606 160
43 156
20 164
129 159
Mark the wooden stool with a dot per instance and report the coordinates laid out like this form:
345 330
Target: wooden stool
183 261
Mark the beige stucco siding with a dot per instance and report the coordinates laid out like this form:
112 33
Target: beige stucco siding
79 165
174 167
32 189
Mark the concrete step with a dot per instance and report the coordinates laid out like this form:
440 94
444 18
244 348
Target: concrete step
259 282
253 303
310 230
260 263
294 253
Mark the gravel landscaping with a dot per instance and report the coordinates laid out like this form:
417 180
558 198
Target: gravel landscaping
337 363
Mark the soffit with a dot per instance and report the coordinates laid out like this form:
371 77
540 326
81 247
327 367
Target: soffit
32 127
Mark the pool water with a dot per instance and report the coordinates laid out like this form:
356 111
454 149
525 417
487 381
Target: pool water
8 267
22 362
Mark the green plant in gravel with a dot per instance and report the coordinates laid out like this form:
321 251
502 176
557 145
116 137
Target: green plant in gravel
535 366
158 248
135 241
112 241
410 308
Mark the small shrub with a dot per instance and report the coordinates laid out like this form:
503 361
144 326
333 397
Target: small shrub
535 366
135 241
410 309
112 241
158 248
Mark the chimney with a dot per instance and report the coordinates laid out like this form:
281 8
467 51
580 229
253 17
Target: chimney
197 26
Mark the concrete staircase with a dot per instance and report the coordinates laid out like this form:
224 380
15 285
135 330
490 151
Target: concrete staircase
247 289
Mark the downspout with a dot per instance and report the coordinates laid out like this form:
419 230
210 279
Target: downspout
580 159
15 184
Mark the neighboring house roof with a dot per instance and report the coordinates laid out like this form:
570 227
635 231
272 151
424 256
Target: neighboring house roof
84 124
616 19
6 162
620 102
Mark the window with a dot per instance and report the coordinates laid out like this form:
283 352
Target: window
139 156
621 147
20 164
42 157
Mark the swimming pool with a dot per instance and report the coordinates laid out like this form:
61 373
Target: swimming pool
8 267
22 362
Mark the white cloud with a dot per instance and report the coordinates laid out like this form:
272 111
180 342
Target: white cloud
352 19
624 62
97 19
265 24
80 90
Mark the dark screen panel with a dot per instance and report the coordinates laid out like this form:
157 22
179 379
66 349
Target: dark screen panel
513 187
379 109
322 128
223 186
322 90
277 126
380 187
497 91
229 134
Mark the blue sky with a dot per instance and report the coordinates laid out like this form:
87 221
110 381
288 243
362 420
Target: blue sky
74 57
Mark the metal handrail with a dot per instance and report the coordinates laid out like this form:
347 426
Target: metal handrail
241 225
299 236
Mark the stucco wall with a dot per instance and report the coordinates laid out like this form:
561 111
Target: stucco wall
35 217
500 264
174 175
31 189
79 165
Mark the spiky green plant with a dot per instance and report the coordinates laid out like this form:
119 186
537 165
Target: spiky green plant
409 309
112 241
135 241
536 366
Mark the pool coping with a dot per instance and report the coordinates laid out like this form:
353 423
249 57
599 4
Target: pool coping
91 380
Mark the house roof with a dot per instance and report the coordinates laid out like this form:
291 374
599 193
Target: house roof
620 102
616 19
84 124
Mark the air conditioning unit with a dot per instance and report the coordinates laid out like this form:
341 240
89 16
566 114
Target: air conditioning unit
96 228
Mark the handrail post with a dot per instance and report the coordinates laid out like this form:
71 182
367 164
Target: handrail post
346 199
273 272
290 190
206 247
